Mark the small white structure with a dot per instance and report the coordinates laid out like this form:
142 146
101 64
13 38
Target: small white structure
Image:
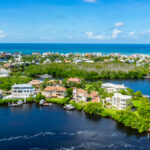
69 107
47 61
22 91
113 87
4 72
120 101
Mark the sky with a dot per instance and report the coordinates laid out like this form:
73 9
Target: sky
75 21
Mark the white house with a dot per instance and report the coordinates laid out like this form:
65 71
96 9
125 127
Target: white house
120 101
22 91
4 72
113 87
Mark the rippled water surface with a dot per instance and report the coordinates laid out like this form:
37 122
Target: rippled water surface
46 128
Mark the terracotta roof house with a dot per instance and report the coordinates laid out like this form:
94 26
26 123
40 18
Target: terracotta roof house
95 97
54 92
35 83
55 82
76 80
80 95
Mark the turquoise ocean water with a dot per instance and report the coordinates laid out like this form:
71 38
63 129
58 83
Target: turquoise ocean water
77 48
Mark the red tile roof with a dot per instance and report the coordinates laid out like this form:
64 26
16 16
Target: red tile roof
53 88
74 80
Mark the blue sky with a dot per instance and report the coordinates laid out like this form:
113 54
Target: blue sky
75 21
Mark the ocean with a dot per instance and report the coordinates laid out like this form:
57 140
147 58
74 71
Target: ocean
127 49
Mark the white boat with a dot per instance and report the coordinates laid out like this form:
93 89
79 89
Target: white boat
19 103
41 102
47 104
69 107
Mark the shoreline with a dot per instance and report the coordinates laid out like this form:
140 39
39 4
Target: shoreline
91 116
107 114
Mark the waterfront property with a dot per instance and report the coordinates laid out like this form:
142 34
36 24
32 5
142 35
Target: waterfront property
119 101
113 87
75 80
54 92
94 97
21 91
36 83
80 95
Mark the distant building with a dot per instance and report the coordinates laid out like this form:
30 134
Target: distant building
36 53
113 87
36 83
76 80
47 61
45 76
54 92
120 101
57 61
4 72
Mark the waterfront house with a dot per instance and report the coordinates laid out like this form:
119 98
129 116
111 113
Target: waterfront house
80 95
113 87
55 82
94 97
54 92
119 101
75 80
36 83
21 91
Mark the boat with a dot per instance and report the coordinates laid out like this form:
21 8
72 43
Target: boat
69 107
47 104
41 102
19 103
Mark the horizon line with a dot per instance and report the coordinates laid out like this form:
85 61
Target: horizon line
83 43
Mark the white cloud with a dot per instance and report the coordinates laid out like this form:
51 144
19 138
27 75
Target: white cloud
91 35
133 34
2 35
119 24
90 1
115 33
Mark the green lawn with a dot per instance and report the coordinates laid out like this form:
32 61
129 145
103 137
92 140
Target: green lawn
136 103
110 110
